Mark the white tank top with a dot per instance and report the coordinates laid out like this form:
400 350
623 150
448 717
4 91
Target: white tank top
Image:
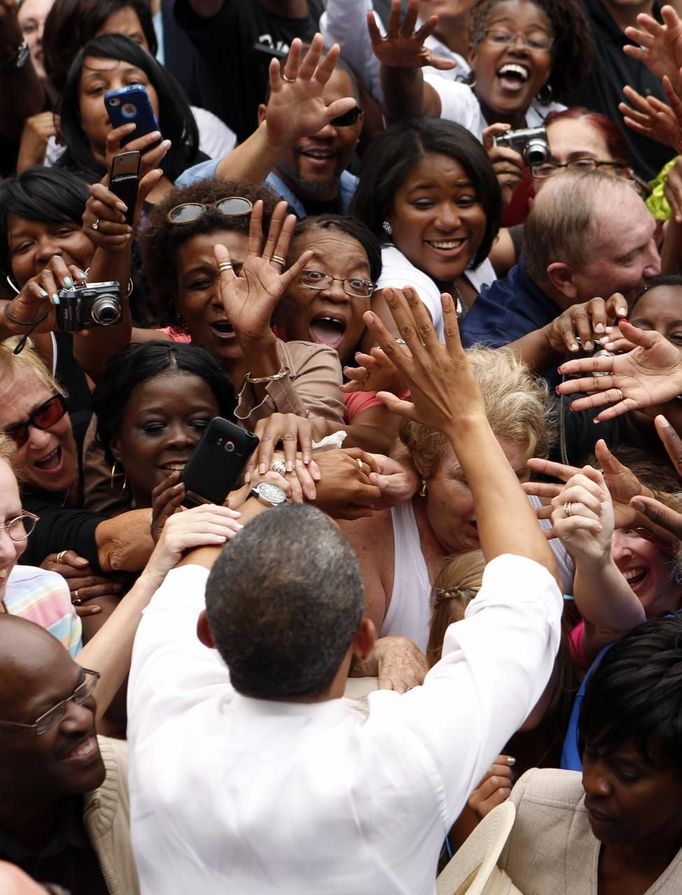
410 608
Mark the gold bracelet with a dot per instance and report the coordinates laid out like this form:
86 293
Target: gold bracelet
257 380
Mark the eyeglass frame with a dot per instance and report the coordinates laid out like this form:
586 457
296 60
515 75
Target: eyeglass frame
91 678
11 430
342 280
513 38
594 165
206 207
23 515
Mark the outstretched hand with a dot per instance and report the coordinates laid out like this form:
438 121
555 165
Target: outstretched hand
403 46
651 117
297 107
442 386
250 298
660 43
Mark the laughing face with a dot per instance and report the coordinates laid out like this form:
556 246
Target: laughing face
198 294
328 316
10 508
509 77
648 571
48 460
437 219
162 423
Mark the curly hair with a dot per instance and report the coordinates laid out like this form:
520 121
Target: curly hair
572 52
160 241
517 406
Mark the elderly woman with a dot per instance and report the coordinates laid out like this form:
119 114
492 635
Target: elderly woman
402 550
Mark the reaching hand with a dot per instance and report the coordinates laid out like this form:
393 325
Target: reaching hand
442 386
583 518
297 107
507 162
660 44
401 664
250 298
344 489
396 482
403 47
39 298
648 376
375 373
651 117
494 788
84 582
587 322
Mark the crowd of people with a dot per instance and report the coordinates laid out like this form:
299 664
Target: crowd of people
340 447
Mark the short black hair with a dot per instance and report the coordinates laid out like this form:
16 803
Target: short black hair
345 224
572 51
635 694
40 194
176 120
670 279
70 24
395 152
144 361
284 600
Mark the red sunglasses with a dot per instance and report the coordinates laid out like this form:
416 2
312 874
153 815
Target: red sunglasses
43 417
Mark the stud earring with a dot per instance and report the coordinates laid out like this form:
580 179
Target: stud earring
423 489
388 230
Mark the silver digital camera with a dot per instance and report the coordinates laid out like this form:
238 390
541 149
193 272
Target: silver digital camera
531 142
93 304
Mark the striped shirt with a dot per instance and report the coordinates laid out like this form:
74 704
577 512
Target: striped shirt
44 598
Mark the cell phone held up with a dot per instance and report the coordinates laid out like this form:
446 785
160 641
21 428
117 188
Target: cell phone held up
131 105
216 466
124 180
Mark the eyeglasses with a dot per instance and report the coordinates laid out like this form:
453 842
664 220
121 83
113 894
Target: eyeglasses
536 41
355 287
348 118
43 417
52 717
230 206
549 169
19 528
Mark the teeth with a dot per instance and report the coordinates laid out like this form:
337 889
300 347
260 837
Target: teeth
174 467
632 573
446 244
83 749
513 69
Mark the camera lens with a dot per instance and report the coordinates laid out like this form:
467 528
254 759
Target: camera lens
229 447
536 152
106 310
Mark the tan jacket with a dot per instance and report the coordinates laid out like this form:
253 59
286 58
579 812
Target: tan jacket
107 821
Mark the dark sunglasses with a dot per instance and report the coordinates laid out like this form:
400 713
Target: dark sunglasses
347 118
230 206
43 417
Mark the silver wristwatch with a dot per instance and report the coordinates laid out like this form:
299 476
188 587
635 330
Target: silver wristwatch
270 495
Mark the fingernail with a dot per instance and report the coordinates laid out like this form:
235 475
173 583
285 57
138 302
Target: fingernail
622 312
290 465
82 275
262 469
68 282
511 761
599 328
588 345
42 293
574 346
55 299
239 525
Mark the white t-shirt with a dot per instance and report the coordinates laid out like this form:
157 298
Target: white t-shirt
459 103
397 272
233 795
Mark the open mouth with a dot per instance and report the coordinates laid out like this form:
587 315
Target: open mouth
51 462
223 329
513 76
174 466
328 330
447 248
636 577
320 153
83 752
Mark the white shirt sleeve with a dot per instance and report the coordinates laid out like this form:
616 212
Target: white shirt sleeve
458 103
397 272
345 23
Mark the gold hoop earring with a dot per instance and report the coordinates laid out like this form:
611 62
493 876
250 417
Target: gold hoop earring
423 489
115 473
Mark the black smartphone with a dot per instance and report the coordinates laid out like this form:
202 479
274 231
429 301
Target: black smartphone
217 463
128 105
124 180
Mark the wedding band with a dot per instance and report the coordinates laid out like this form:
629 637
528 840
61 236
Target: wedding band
76 600
288 80
620 392
95 224
61 555
359 462
278 259
224 266
279 466
399 342
568 509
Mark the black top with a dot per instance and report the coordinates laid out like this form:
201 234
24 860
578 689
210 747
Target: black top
610 72
234 49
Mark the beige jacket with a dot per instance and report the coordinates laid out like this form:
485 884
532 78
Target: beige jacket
107 821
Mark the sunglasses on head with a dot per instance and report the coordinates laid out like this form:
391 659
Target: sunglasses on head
230 206
43 417
347 118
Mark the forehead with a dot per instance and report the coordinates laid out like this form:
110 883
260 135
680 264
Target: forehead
19 226
660 301
173 391
518 14
94 66
199 249
21 390
619 233
439 170
34 9
568 137
123 21
333 244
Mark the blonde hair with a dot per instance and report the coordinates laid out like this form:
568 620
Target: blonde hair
455 587
27 360
517 406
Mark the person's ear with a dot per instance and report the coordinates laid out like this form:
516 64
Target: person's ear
472 55
364 640
261 112
204 630
562 278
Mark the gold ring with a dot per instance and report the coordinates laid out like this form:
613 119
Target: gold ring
76 600
278 259
568 509
95 224
620 392
288 80
359 462
225 266
61 555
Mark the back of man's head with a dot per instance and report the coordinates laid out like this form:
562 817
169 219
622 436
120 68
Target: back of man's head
284 601
563 223
634 695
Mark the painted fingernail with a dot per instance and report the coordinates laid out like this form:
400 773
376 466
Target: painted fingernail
82 275
42 293
55 298
599 328
68 282
511 761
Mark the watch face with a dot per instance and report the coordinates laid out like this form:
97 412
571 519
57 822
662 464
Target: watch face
271 493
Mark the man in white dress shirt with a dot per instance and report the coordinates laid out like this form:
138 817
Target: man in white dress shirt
250 771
